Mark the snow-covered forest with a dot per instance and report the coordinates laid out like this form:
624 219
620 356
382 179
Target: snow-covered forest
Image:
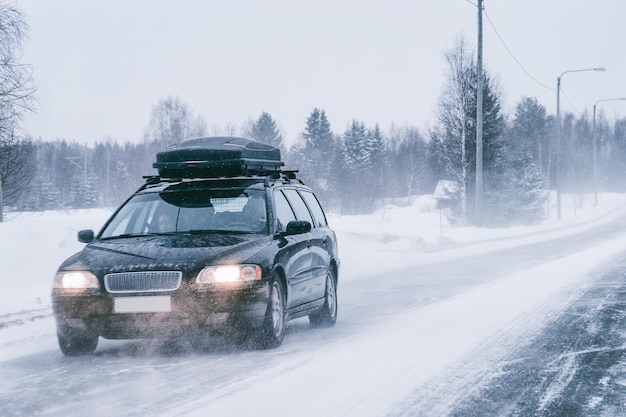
354 168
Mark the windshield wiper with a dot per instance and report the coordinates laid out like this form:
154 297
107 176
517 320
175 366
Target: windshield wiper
122 236
214 231
202 231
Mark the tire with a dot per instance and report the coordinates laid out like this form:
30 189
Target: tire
273 328
75 342
327 315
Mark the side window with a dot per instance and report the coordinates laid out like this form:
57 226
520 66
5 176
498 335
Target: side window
284 214
302 213
316 208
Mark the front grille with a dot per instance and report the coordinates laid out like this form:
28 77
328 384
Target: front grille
149 281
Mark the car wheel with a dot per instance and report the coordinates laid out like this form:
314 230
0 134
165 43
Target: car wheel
75 342
273 327
327 316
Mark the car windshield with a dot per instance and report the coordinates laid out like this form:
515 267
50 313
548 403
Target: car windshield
190 211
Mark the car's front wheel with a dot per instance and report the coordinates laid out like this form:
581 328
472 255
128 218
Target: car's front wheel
74 342
273 328
327 316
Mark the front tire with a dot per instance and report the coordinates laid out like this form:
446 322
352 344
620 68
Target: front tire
273 328
327 316
75 342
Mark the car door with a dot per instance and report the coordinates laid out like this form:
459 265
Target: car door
310 285
321 242
293 254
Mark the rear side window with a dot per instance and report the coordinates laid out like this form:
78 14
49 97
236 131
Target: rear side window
284 214
316 208
298 206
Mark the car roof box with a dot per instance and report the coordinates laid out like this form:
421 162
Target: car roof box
224 156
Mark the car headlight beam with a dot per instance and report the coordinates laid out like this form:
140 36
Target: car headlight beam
229 273
76 280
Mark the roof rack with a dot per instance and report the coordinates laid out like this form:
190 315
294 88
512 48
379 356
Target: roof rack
286 176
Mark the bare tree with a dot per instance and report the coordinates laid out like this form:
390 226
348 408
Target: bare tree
16 168
16 98
228 129
172 121
409 157
456 117
246 127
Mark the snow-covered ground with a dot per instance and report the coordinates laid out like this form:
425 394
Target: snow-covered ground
398 238
419 233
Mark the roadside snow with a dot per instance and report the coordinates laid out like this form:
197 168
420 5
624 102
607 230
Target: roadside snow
419 234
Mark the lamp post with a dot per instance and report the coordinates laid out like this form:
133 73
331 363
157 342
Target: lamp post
595 146
558 134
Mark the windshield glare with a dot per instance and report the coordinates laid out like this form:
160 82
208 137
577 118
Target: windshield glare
240 210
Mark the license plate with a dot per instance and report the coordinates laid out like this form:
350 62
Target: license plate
146 304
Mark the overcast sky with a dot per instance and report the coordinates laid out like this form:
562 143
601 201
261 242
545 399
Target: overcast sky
100 66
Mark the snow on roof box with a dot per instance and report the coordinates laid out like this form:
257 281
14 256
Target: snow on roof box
222 156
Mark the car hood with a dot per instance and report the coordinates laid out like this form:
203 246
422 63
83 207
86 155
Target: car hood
184 252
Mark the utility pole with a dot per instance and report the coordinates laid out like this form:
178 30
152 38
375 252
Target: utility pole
1 203
479 119
559 132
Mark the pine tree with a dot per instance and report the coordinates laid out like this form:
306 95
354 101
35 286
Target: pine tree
523 193
530 133
616 157
319 146
356 181
375 144
265 130
317 135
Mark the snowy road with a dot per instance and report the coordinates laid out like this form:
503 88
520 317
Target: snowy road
428 339
574 367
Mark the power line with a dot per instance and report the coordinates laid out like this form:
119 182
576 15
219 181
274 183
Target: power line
524 69
518 62
570 103
512 54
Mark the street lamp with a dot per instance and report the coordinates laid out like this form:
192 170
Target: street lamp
558 134
595 140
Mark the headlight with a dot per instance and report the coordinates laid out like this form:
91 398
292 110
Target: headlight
229 273
76 280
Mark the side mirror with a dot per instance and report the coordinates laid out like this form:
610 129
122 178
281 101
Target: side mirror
298 227
86 236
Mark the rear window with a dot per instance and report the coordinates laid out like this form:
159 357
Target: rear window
298 205
316 209
284 213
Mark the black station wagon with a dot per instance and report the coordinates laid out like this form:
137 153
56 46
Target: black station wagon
223 233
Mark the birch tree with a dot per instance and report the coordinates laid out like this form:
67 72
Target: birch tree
455 137
172 121
455 118
16 98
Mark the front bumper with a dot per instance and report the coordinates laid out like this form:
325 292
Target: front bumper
189 310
